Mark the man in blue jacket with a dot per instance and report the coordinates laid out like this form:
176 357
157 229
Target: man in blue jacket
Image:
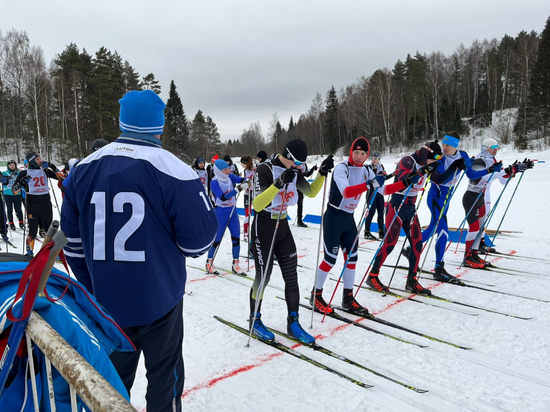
133 212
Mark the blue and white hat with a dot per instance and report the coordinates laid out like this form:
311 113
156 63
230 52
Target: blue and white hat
142 112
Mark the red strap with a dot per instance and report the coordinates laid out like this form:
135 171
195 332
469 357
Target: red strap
31 276
64 261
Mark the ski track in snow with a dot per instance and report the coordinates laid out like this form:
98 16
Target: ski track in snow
507 370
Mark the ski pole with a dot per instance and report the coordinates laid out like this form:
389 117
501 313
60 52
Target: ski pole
506 211
259 294
366 210
249 231
319 243
36 274
388 230
443 210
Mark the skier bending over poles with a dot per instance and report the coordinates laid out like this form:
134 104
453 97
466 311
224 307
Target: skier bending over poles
477 201
349 181
410 170
453 161
222 186
275 188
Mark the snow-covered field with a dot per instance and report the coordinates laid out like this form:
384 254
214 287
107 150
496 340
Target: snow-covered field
507 369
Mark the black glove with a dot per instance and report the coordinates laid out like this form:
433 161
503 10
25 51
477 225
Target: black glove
314 168
459 164
429 168
497 167
411 179
326 166
16 188
390 175
286 177
529 163
5 180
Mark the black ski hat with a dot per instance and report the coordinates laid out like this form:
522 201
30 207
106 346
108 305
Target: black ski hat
430 150
31 159
12 162
296 150
98 144
262 155
360 144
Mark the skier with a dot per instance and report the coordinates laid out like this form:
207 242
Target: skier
210 173
275 186
39 204
307 173
225 187
411 170
476 199
132 213
232 167
450 166
349 180
248 174
378 204
13 201
199 169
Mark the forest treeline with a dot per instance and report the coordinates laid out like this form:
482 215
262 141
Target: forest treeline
61 107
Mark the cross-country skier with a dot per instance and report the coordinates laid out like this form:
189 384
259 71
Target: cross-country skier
411 170
248 173
349 180
378 203
275 189
225 186
13 201
132 213
199 169
477 201
39 204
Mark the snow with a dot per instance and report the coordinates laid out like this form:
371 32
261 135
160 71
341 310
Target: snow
508 368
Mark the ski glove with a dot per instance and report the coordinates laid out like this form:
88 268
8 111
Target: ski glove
497 167
459 164
377 182
411 179
429 168
5 180
529 163
390 176
314 168
243 186
286 177
326 166
16 188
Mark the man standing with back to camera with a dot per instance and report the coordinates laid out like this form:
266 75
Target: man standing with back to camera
132 213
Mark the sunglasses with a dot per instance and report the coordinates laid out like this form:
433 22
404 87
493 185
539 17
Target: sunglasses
296 162
436 156
494 147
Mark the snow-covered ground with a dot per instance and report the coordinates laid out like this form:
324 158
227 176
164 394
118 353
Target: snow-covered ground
507 369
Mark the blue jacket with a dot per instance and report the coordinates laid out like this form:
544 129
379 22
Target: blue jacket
132 212
442 180
79 319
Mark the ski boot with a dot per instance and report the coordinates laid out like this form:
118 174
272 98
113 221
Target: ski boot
318 303
374 282
30 253
42 233
381 234
484 249
442 275
369 236
12 226
472 260
302 224
352 306
210 268
236 268
295 330
415 287
21 225
486 263
259 329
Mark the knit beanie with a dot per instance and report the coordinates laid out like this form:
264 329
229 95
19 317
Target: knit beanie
31 160
142 112
429 151
216 157
296 150
359 144
200 160
98 144
221 164
262 155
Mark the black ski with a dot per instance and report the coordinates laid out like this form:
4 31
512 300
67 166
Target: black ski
341 318
286 349
428 272
514 256
403 328
465 304
332 354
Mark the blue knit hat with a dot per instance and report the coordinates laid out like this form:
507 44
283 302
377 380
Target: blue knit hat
221 164
142 112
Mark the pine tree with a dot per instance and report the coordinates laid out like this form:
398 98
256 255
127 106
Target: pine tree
176 129
331 121
149 83
213 135
538 103
131 78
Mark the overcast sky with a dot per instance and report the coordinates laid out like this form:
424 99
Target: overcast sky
241 61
